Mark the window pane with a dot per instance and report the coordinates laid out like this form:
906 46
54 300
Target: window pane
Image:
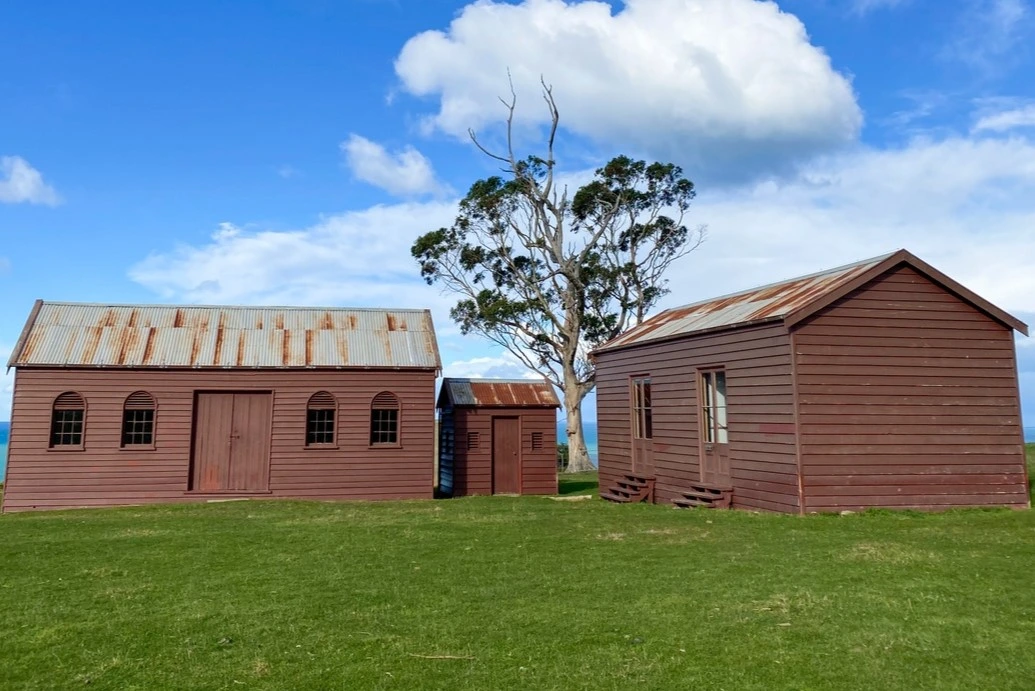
384 427
66 428
648 424
319 427
138 427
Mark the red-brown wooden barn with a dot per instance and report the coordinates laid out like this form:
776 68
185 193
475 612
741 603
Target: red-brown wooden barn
497 436
130 404
880 384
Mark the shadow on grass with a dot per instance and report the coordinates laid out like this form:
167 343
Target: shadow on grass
577 483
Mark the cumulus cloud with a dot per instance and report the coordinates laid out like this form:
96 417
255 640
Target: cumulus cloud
726 88
963 205
357 258
1006 120
404 173
505 366
20 182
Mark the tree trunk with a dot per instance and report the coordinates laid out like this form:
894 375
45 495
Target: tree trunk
578 455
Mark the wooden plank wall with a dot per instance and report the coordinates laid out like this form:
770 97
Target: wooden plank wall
760 413
472 472
908 398
103 474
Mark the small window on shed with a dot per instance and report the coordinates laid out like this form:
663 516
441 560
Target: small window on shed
384 420
319 419
472 440
537 441
67 420
138 420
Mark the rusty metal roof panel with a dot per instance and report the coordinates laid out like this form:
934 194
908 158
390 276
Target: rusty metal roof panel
765 303
501 393
88 335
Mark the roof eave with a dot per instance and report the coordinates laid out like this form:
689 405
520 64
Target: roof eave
19 345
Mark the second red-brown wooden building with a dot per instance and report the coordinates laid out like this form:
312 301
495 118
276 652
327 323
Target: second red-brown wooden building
880 384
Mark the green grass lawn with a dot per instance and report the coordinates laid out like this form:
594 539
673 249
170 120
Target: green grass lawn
494 593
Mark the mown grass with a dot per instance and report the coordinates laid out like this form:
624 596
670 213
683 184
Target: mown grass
489 593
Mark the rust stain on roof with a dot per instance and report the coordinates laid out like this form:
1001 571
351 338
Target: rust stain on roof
501 393
84 335
768 302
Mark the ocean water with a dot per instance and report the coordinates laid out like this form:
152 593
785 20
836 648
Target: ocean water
589 429
5 428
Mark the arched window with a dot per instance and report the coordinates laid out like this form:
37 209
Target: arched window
384 419
67 420
138 420
321 413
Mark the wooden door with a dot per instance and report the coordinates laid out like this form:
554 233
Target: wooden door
715 454
642 413
231 442
506 455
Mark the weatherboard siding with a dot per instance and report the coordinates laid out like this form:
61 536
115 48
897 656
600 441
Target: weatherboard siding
102 474
472 468
908 398
760 407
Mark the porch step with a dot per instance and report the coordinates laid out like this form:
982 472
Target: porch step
616 498
629 489
706 496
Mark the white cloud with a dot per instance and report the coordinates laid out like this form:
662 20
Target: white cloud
1006 120
724 87
356 258
963 205
505 366
403 173
20 182
989 32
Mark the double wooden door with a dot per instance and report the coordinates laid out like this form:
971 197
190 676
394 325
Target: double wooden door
231 442
506 455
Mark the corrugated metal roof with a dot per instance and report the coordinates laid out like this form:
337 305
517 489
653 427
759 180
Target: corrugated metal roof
766 303
508 393
88 335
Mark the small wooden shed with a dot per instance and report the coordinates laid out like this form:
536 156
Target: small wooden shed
884 383
132 404
497 436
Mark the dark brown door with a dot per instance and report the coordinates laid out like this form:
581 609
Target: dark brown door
642 413
231 442
715 447
506 455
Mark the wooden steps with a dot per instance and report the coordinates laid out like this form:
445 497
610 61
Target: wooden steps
630 489
706 496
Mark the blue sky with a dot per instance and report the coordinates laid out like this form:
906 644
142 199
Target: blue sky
290 151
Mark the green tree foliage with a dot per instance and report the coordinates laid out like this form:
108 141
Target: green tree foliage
550 275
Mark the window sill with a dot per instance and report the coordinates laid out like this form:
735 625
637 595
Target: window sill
138 447
320 447
384 446
65 448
